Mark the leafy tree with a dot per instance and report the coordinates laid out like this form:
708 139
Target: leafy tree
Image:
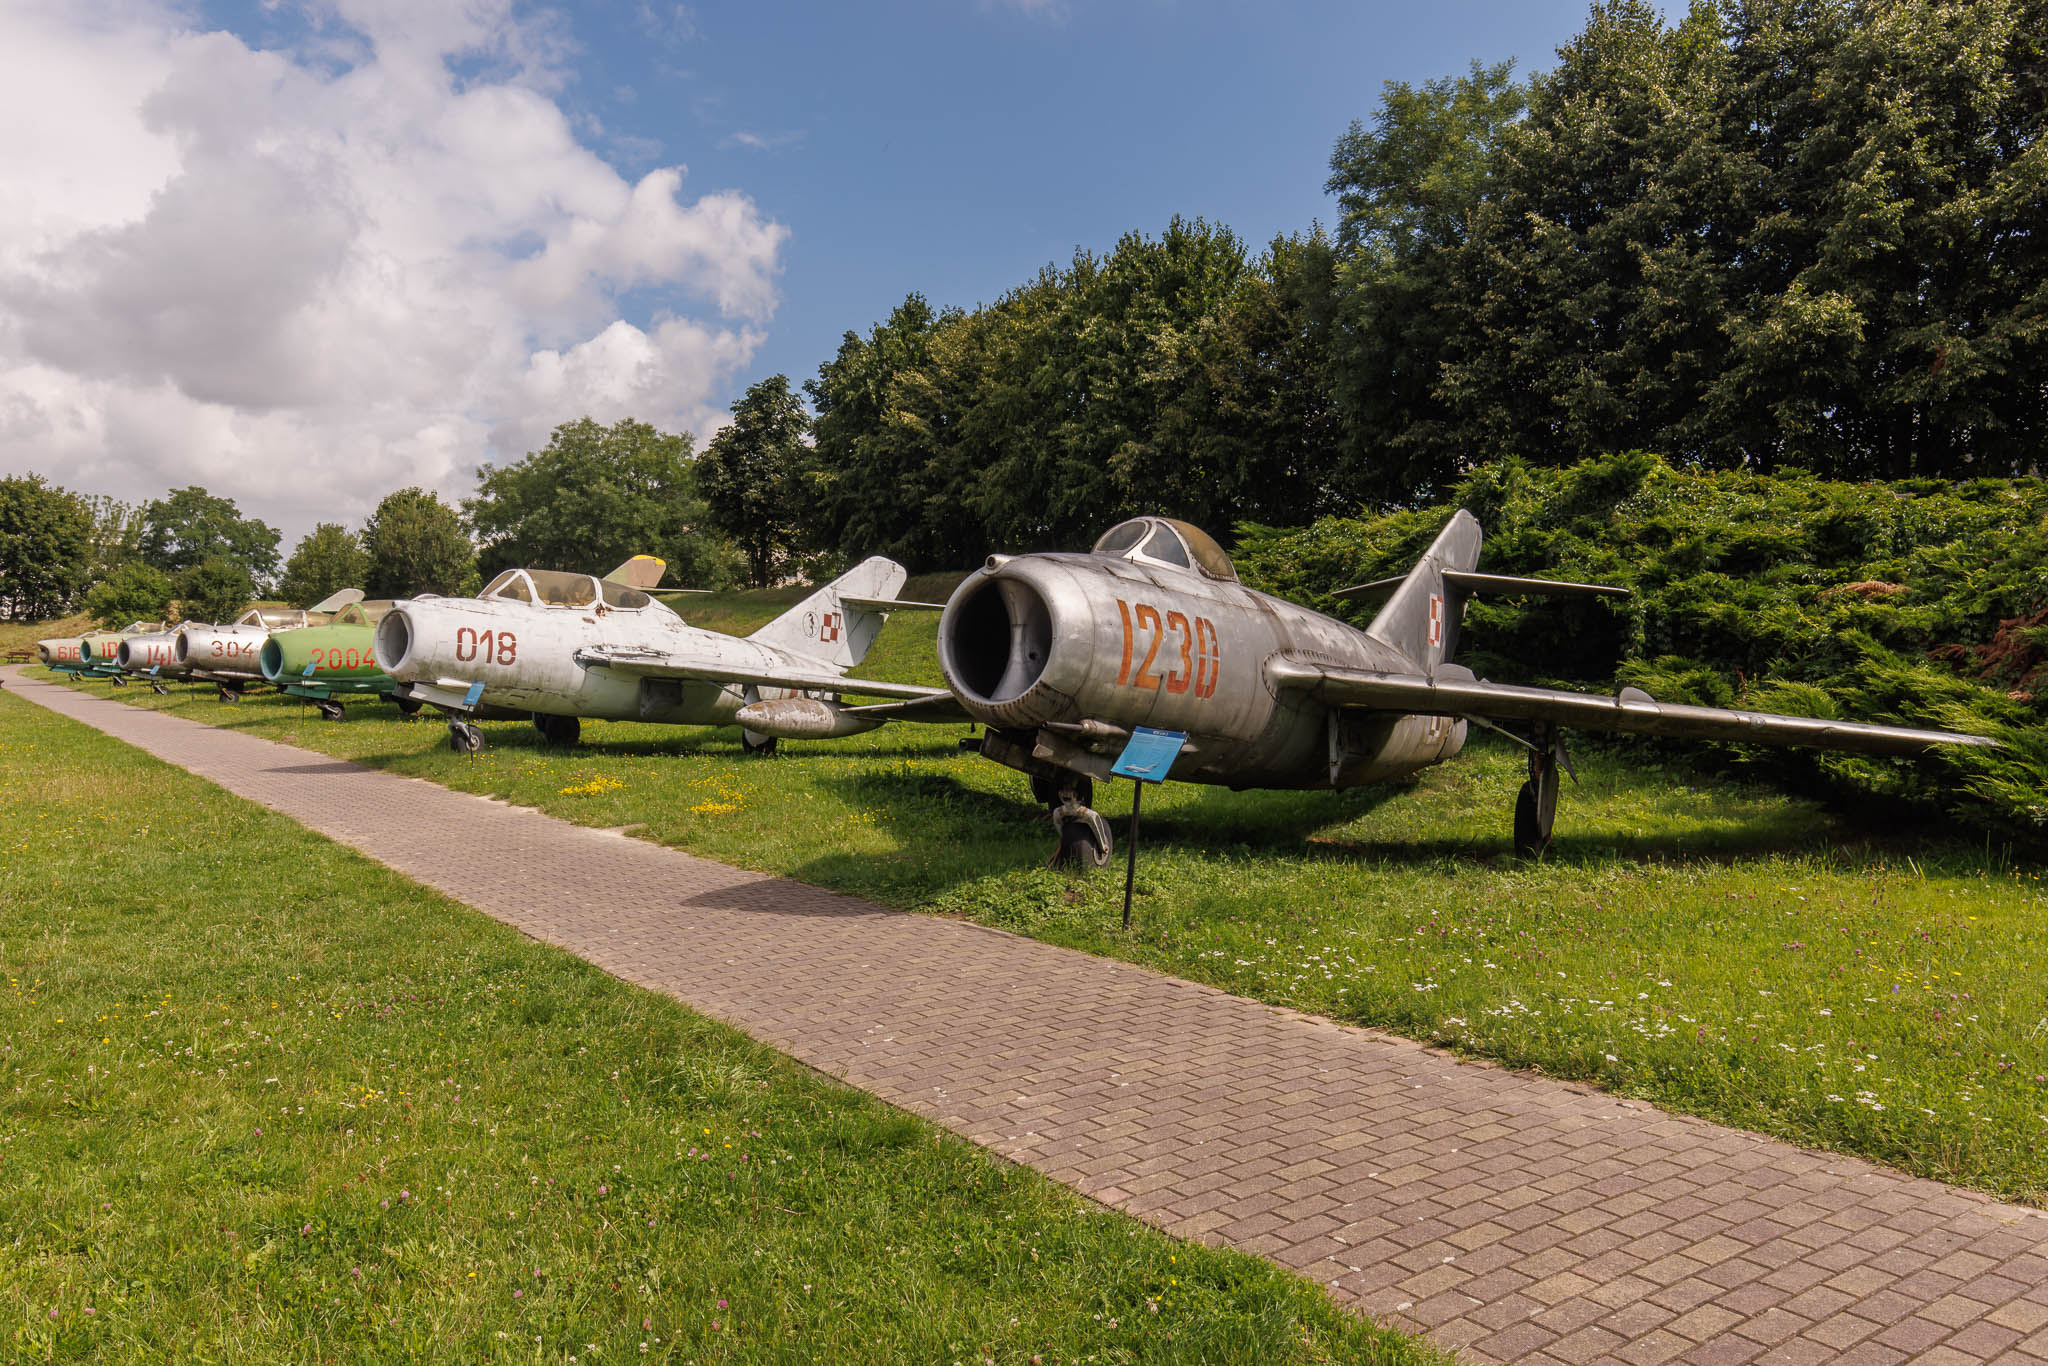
416 544
116 533
192 525
132 592
593 497
753 475
1409 189
216 589
329 558
45 548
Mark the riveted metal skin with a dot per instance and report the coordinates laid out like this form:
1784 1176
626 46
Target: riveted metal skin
155 654
324 659
1043 640
573 645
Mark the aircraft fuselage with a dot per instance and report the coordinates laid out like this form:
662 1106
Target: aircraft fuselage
1061 654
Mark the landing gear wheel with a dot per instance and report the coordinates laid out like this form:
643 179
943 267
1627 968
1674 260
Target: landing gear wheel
230 695
330 711
464 738
117 680
159 689
1084 837
408 707
756 744
557 730
1536 803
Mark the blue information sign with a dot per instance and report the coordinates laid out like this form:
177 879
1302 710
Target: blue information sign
1149 754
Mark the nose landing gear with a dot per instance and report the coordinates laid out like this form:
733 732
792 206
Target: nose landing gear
464 738
1083 833
330 710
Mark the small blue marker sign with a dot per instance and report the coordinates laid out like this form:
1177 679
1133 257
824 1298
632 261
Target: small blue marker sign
1149 754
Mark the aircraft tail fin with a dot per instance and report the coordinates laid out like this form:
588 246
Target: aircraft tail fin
837 624
642 572
1421 618
337 600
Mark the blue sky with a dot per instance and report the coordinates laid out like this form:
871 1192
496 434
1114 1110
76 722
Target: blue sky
956 149
303 252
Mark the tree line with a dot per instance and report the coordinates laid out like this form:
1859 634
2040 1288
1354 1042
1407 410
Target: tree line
1775 235
592 497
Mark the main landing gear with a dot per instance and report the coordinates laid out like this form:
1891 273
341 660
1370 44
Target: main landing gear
756 744
464 738
557 730
1083 833
1536 803
408 707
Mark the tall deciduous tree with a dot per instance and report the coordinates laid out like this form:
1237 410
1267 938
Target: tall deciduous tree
594 496
192 525
132 592
753 475
416 545
216 589
328 558
45 548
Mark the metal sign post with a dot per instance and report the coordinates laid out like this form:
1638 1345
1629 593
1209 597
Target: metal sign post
1147 758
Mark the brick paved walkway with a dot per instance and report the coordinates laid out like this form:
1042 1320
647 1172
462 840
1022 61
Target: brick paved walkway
1510 1217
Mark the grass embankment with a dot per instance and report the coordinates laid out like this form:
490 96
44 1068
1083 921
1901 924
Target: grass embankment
263 1100
22 635
1714 947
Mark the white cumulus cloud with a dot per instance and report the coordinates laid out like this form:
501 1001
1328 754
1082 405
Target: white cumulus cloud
305 278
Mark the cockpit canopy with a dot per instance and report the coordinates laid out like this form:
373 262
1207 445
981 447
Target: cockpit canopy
362 613
1167 541
554 588
273 618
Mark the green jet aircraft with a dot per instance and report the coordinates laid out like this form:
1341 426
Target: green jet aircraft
320 662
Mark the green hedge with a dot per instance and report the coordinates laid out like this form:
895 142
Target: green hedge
1922 602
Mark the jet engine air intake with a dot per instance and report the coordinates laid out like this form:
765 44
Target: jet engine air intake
270 661
394 639
997 643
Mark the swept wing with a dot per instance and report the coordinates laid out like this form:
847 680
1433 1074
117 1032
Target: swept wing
1632 711
660 664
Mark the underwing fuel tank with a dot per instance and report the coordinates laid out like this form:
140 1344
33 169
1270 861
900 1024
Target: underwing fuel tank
803 718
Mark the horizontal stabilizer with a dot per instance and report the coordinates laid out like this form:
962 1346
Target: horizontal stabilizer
1633 712
1468 582
891 605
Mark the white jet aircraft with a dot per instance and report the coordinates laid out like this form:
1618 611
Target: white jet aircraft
564 646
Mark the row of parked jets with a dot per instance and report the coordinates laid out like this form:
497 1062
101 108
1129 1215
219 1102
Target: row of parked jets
1061 658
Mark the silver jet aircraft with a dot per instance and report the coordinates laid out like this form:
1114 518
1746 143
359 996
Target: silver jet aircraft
564 646
1060 656
230 657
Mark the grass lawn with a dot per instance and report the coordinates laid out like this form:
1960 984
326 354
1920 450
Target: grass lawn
1714 947
263 1100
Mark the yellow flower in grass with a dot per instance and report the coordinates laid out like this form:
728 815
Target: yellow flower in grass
592 788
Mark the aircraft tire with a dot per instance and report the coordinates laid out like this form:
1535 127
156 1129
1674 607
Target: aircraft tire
1531 839
464 738
332 711
231 696
764 745
1081 843
557 730
408 707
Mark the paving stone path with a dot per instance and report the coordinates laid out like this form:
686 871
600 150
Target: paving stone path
1510 1217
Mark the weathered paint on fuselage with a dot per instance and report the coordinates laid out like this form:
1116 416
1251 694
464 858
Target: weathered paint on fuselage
155 653
1133 644
524 654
